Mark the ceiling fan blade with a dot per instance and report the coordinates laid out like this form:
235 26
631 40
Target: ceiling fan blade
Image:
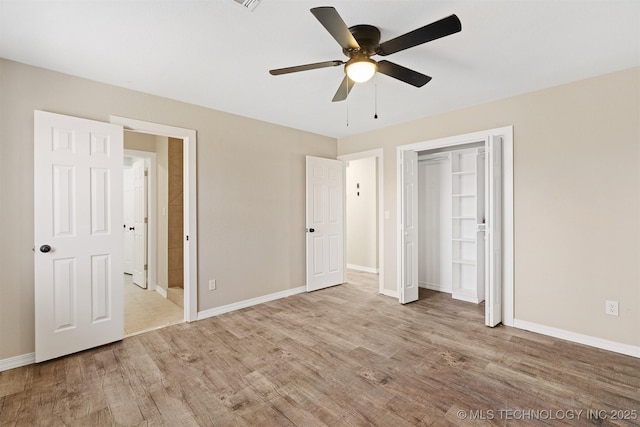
297 68
331 20
344 89
401 73
435 30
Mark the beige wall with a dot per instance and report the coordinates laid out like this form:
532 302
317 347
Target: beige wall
139 141
577 198
250 191
362 213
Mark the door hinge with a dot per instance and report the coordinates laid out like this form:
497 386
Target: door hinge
146 173
146 267
146 220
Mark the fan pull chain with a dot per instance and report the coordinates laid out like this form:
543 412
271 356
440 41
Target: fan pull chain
375 90
347 105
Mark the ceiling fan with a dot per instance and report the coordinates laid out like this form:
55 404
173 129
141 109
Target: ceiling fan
361 42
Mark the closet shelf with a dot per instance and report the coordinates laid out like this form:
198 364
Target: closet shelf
467 207
464 261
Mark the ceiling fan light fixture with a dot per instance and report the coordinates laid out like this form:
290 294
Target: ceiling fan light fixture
360 69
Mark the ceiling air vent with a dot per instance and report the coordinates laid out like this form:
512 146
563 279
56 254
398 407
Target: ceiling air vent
248 4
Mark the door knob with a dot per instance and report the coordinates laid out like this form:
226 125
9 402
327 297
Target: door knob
45 248
132 228
311 230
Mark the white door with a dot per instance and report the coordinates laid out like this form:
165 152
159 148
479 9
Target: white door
409 227
78 235
139 224
325 223
493 240
128 220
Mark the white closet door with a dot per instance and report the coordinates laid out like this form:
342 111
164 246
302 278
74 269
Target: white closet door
493 241
409 227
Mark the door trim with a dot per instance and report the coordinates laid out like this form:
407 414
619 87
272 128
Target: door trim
379 155
190 212
507 220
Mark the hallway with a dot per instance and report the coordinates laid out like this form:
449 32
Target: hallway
145 310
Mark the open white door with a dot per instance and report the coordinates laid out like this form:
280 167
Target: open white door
493 240
78 234
128 220
325 223
139 224
409 227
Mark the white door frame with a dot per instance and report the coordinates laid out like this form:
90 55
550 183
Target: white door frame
379 155
190 213
507 224
152 238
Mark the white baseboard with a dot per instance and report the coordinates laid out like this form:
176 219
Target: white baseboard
434 287
603 344
363 268
249 302
466 298
17 361
389 293
162 291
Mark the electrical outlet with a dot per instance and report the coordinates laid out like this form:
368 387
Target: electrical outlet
212 285
611 308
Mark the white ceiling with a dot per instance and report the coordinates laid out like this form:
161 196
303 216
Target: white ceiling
217 54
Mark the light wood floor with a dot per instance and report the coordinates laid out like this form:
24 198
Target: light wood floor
340 356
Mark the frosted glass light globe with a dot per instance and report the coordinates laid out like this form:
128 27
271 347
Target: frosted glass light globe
360 70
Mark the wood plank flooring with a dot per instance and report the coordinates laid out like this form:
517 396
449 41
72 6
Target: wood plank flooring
340 356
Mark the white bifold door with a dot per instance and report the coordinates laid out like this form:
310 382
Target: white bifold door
409 227
325 223
78 234
493 239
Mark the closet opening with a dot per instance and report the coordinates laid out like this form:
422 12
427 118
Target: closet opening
456 228
451 221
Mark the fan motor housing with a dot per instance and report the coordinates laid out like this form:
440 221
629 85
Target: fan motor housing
367 36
